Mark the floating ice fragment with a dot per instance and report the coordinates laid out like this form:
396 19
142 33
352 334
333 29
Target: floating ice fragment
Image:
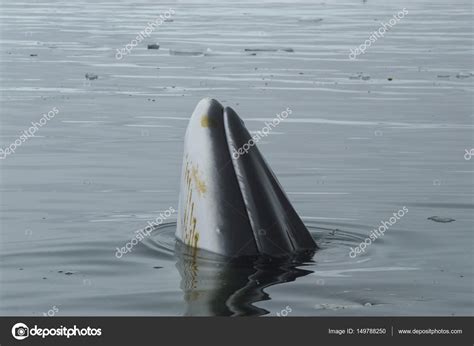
440 219
91 76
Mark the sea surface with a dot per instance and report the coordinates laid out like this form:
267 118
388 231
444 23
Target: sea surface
367 137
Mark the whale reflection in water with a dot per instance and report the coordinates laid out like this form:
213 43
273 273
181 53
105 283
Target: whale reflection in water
215 285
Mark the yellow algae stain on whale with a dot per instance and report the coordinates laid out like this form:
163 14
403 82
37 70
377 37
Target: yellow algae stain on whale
196 239
193 181
198 182
207 122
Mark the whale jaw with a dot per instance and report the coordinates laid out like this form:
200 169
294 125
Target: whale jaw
233 204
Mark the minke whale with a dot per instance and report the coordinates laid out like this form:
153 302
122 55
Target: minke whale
229 204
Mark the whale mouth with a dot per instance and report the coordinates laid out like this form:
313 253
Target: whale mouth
231 201
276 225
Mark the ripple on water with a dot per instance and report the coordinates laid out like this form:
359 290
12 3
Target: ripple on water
218 285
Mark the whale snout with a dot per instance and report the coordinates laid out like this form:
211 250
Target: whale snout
230 200
207 114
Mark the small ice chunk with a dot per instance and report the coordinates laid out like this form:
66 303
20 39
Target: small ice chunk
284 49
185 52
463 75
355 76
260 49
441 219
91 76
360 75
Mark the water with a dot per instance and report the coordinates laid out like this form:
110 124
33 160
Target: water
365 139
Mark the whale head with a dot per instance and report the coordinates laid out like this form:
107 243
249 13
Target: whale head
230 201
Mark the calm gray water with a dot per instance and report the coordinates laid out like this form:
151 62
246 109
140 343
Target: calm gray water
366 138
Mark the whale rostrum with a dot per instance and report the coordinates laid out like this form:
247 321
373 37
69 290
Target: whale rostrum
233 205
